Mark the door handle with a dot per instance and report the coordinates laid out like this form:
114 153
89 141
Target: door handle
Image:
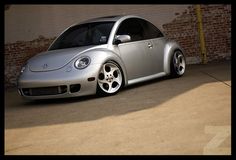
150 45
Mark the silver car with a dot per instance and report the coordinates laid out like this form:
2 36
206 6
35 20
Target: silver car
100 56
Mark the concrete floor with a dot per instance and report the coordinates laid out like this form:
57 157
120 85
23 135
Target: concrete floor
187 115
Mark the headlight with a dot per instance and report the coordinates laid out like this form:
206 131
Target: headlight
82 62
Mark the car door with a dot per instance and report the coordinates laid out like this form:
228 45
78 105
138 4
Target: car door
155 46
134 53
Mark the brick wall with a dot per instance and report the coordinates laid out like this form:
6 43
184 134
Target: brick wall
216 26
184 30
217 29
16 54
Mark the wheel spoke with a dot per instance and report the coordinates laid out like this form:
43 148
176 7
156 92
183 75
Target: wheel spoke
102 81
179 58
176 65
175 60
113 69
182 65
182 62
105 72
176 56
110 87
118 80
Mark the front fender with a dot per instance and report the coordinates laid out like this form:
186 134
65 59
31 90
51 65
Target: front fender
170 47
103 55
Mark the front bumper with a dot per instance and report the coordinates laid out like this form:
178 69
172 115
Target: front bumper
60 82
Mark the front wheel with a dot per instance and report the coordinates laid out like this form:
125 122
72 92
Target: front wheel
178 64
109 79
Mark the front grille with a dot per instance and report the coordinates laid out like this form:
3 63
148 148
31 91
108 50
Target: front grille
43 91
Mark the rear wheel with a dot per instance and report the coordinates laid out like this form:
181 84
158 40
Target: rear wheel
109 79
178 64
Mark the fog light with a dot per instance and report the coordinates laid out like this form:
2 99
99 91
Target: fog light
74 88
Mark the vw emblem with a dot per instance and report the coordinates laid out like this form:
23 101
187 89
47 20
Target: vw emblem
45 66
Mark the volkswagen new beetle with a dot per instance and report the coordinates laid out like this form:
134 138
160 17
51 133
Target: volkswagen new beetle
101 55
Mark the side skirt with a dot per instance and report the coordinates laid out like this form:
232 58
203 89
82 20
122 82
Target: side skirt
142 79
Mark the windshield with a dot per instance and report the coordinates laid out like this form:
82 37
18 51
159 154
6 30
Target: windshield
95 33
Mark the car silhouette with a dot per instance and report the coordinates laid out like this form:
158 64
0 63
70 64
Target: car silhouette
100 56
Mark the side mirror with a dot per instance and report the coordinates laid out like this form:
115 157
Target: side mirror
122 38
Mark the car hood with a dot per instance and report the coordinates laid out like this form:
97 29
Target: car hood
55 59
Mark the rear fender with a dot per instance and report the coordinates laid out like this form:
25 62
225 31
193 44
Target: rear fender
169 50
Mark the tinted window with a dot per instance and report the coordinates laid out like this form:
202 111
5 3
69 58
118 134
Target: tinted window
138 29
131 27
83 35
150 31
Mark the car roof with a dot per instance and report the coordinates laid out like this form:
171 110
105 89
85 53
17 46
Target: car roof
113 18
107 18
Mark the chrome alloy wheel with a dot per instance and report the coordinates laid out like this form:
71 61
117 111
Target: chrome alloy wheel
179 63
110 78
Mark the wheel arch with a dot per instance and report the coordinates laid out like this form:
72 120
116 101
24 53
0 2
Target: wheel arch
169 50
103 56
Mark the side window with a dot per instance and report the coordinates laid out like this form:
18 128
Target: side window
133 28
101 33
150 31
